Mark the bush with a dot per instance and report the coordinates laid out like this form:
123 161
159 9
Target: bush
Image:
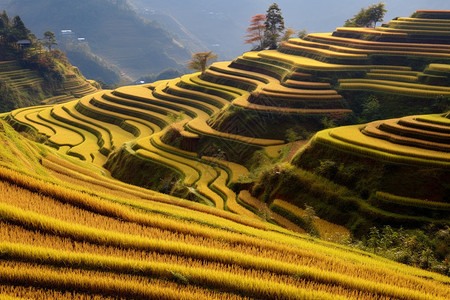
371 109
331 202
428 249
8 97
47 67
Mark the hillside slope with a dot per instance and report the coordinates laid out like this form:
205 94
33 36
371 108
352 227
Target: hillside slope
69 232
205 151
24 86
198 130
31 76
111 28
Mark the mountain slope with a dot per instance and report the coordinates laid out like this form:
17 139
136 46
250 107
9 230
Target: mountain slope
24 86
112 29
31 76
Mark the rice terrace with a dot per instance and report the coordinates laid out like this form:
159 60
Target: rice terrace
314 166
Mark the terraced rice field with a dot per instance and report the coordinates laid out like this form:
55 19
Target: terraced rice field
200 126
24 79
310 49
366 48
17 77
73 88
270 81
197 173
394 87
390 141
107 245
365 45
326 230
264 211
94 126
69 230
308 63
411 206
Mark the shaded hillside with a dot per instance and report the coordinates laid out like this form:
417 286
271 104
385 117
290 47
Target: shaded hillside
219 26
182 34
400 166
112 30
23 85
31 76
93 66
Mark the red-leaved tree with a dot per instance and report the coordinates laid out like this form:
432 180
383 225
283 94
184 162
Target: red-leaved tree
256 31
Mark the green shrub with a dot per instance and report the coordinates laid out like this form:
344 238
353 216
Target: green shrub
427 248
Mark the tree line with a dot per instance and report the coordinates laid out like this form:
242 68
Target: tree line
14 30
29 52
266 31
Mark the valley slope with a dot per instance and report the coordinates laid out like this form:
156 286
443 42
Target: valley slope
112 30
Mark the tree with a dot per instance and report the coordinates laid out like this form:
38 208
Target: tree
288 34
302 33
18 30
308 219
376 13
367 17
256 31
371 109
200 61
4 27
4 23
274 26
49 39
35 42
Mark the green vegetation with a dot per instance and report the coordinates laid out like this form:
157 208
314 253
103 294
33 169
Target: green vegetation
267 30
426 248
93 66
274 26
367 17
256 31
49 40
29 75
